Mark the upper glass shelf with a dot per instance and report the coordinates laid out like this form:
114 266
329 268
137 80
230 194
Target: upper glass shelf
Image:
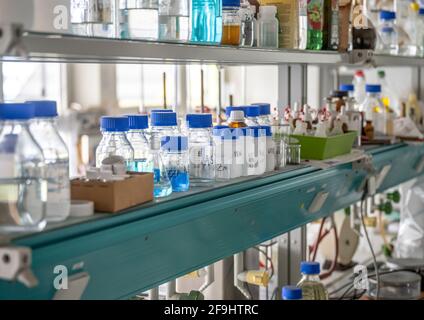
65 48
47 47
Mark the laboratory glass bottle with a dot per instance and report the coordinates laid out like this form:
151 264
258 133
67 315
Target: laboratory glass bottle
174 20
45 132
230 109
374 109
291 293
389 96
267 27
222 161
264 114
201 149
234 151
236 120
315 24
359 83
251 114
162 185
176 160
420 33
163 124
303 25
362 35
388 41
93 18
141 18
206 21
248 25
331 25
409 42
137 126
312 288
231 22
271 149
114 141
256 151
23 187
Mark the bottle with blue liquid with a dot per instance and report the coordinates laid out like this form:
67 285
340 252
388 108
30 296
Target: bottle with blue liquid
206 21
176 160
114 141
143 160
163 124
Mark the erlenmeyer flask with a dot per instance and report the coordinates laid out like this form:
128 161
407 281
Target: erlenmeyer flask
162 184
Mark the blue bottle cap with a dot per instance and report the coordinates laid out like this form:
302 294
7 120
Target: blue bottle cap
373 88
292 293
256 131
309 267
160 110
251 111
44 108
233 108
16 111
199 120
421 11
138 121
174 143
267 129
231 3
114 124
164 119
347 87
264 108
387 15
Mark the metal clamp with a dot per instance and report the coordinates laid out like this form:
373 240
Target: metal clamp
10 40
362 57
15 265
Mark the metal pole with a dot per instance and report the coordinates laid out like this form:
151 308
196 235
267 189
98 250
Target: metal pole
1 82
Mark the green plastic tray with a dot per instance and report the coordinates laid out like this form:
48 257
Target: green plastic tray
316 148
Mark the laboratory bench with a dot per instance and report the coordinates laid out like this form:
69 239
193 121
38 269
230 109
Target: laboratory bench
141 248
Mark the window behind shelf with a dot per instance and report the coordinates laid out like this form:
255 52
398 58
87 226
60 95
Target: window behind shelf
142 86
32 81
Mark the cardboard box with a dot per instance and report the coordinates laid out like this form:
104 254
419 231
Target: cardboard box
114 196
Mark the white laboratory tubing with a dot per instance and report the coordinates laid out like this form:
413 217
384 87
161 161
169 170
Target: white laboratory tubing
210 277
238 269
154 294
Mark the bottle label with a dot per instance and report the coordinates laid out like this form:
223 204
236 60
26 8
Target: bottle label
315 15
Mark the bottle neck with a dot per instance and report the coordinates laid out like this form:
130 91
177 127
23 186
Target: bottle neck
311 277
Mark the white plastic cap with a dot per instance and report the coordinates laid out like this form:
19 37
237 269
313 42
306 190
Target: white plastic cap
268 10
237 116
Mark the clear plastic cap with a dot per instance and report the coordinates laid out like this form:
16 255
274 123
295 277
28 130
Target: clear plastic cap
237 116
269 11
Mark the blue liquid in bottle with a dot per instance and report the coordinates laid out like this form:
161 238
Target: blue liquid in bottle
206 21
179 179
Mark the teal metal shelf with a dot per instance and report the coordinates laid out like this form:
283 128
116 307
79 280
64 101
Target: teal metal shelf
128 253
